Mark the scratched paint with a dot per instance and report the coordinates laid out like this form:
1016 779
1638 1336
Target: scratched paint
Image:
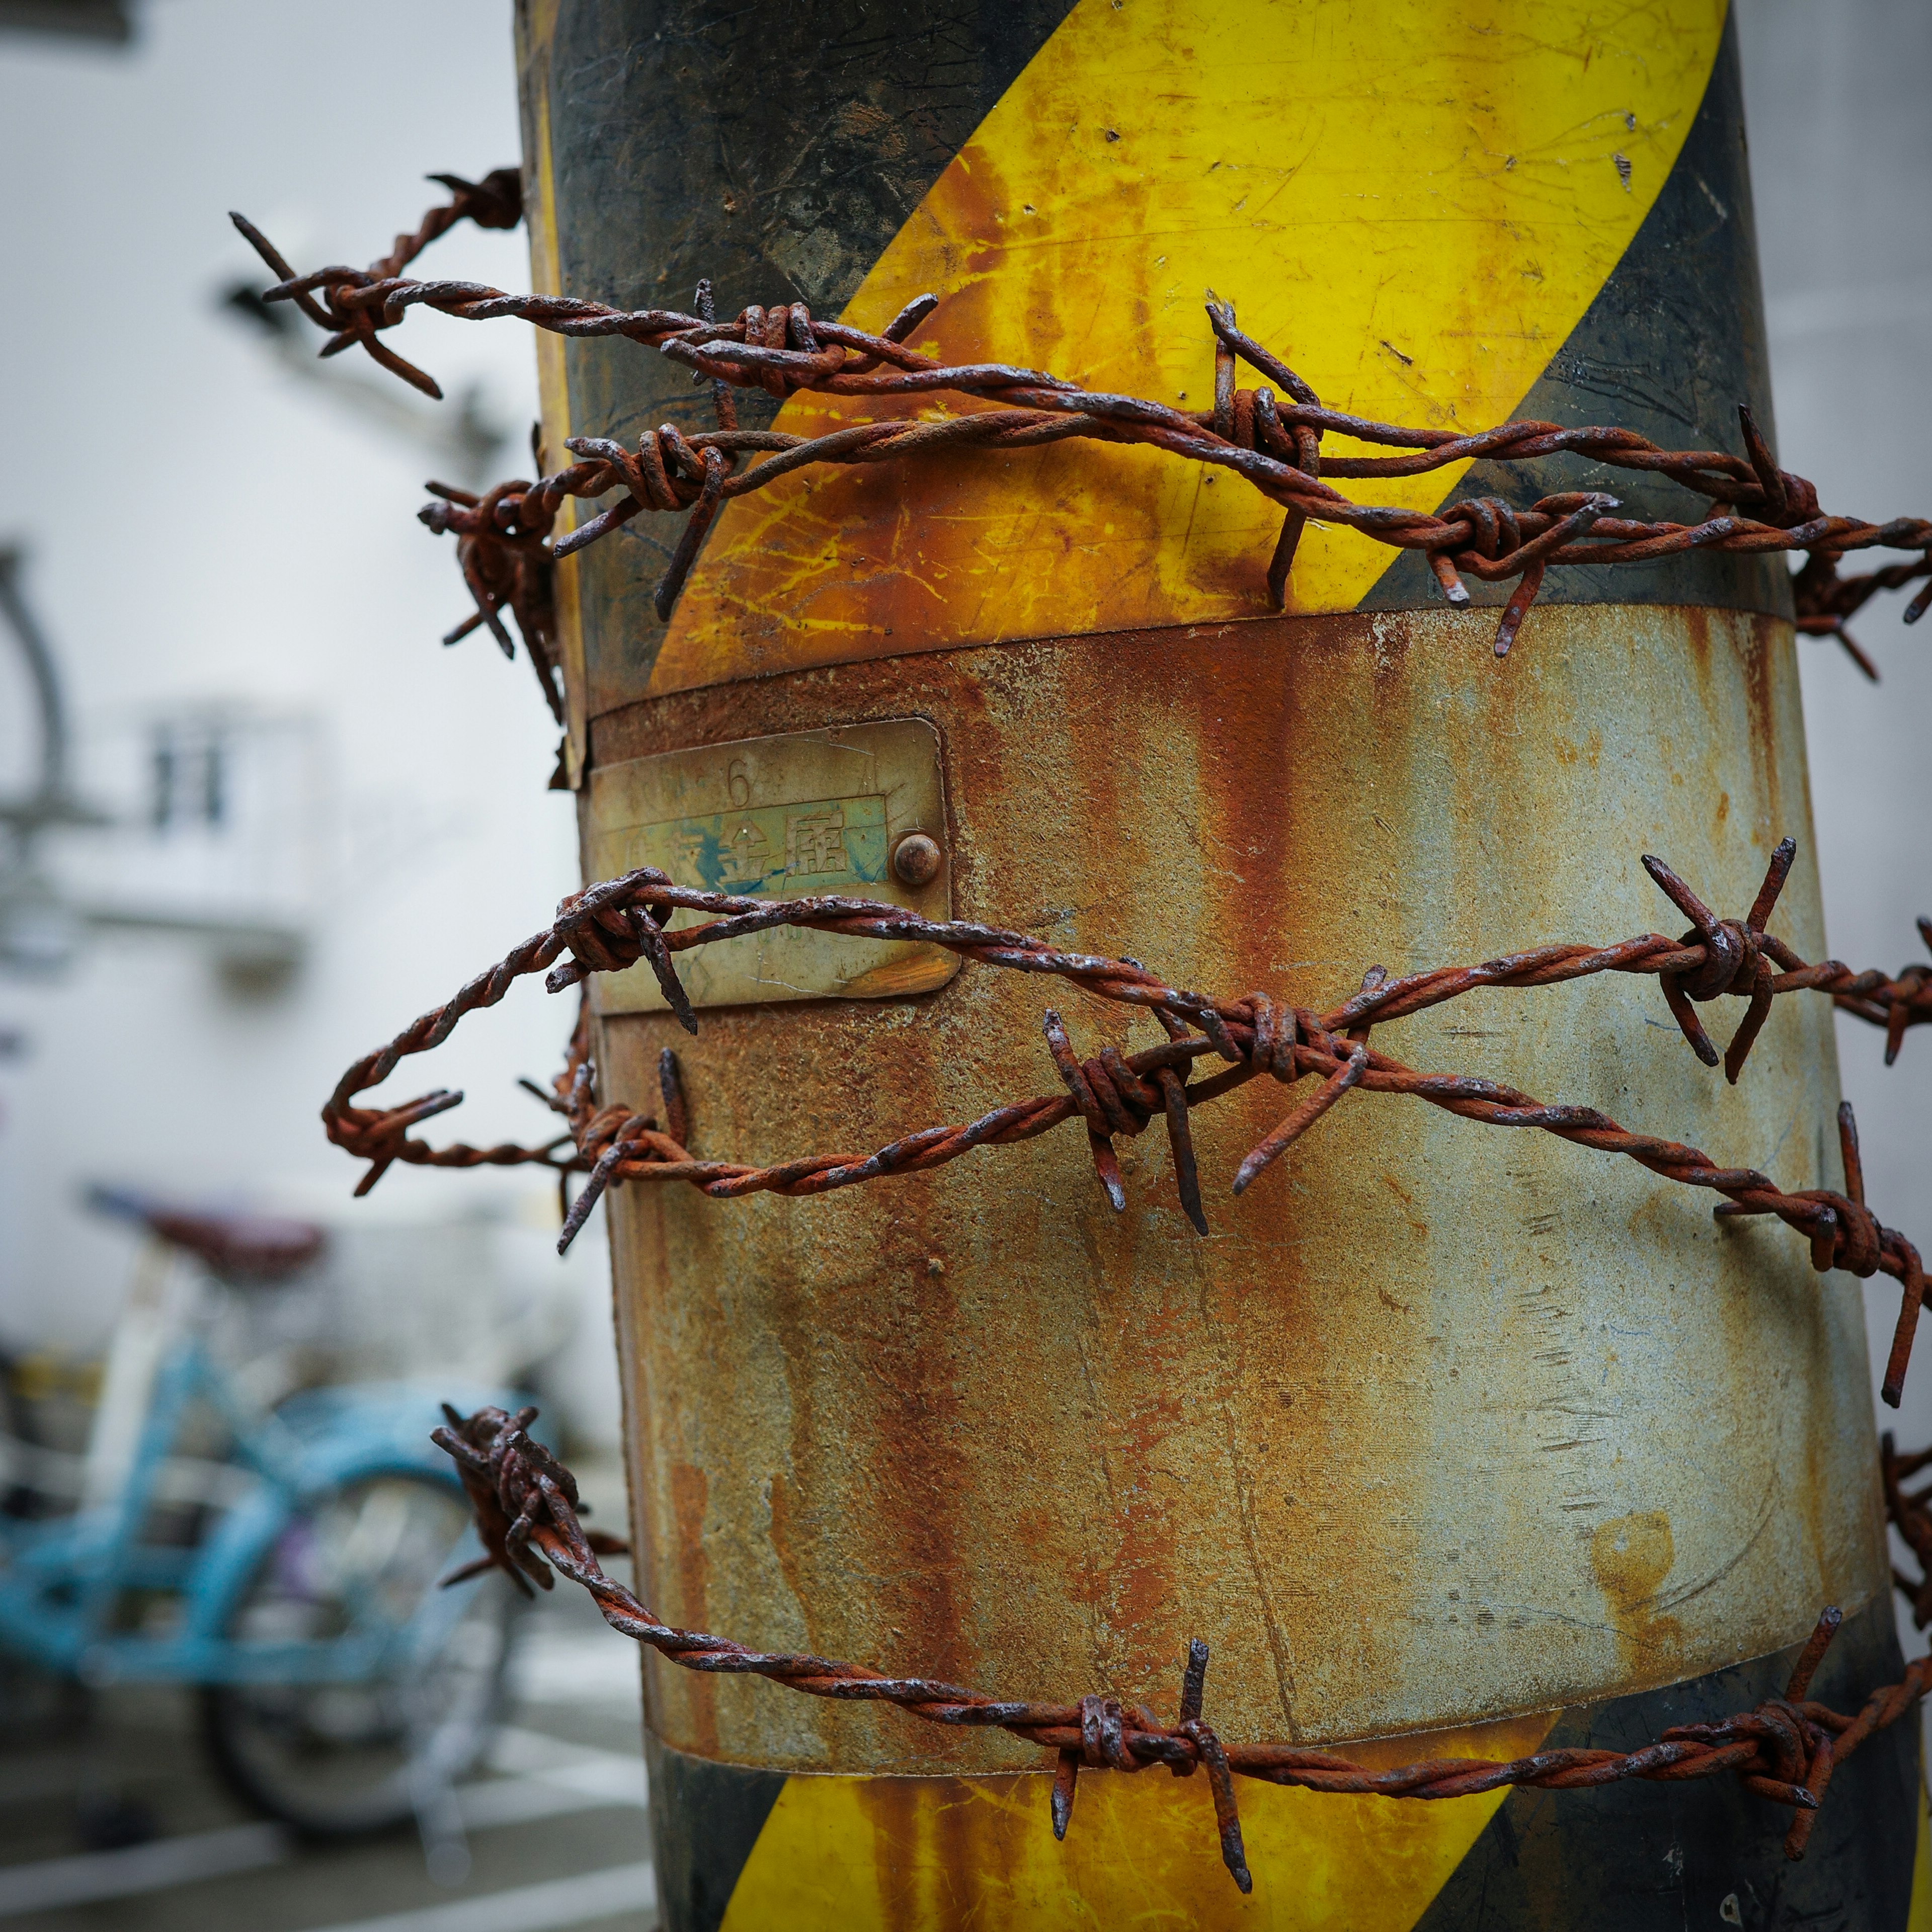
1438 1427
852 1854
1364 1438
1417 242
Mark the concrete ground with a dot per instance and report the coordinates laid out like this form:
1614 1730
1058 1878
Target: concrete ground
555 1828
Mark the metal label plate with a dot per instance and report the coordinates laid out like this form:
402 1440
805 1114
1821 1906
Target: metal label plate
782 817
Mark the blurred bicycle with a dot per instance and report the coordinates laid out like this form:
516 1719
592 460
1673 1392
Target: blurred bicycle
281 1554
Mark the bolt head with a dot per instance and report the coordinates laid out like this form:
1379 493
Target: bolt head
917 859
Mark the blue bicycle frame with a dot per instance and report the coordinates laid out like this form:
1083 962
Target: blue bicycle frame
63 1579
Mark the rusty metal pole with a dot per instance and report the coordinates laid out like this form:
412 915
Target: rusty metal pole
1425 1437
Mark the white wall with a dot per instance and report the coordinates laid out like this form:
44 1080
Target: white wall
205 528
1841 170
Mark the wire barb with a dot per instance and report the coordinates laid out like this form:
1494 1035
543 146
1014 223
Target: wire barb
528 1514
612 925
1755 507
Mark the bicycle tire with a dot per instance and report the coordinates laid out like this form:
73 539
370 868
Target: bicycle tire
343 1761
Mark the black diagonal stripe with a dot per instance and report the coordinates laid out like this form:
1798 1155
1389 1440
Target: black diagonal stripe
1672 344
705 1818
1658 1857
775 149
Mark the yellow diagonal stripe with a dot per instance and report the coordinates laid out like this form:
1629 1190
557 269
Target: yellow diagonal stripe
1415 201
864 1855
536 25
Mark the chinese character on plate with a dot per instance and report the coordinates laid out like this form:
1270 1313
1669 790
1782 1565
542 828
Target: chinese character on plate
747 856
815 840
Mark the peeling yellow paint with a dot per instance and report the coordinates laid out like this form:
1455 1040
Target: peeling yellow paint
852 1855
537 30
1414 203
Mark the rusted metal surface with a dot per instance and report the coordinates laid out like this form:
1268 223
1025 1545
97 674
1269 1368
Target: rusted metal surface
999 1420
1190 1435
847 809
1785 1750
983 1426
1272 443
609 927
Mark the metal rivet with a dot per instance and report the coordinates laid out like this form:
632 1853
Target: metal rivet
917 859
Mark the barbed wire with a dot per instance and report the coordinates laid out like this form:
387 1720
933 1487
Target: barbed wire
611 926
1910 1513
495 202
1273 442
508 568
1786 1749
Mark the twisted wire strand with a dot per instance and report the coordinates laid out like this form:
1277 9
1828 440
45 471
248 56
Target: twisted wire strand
1272 442
1786 1749
1910 1512
611 926
495 202
504 566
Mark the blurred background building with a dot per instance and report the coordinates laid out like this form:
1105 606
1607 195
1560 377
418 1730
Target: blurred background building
312 820
296 821
1840 166
308 822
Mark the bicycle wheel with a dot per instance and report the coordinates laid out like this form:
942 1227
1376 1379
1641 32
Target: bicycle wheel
340 1760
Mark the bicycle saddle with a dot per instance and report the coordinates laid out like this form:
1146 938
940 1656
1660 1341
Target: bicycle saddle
239 1246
